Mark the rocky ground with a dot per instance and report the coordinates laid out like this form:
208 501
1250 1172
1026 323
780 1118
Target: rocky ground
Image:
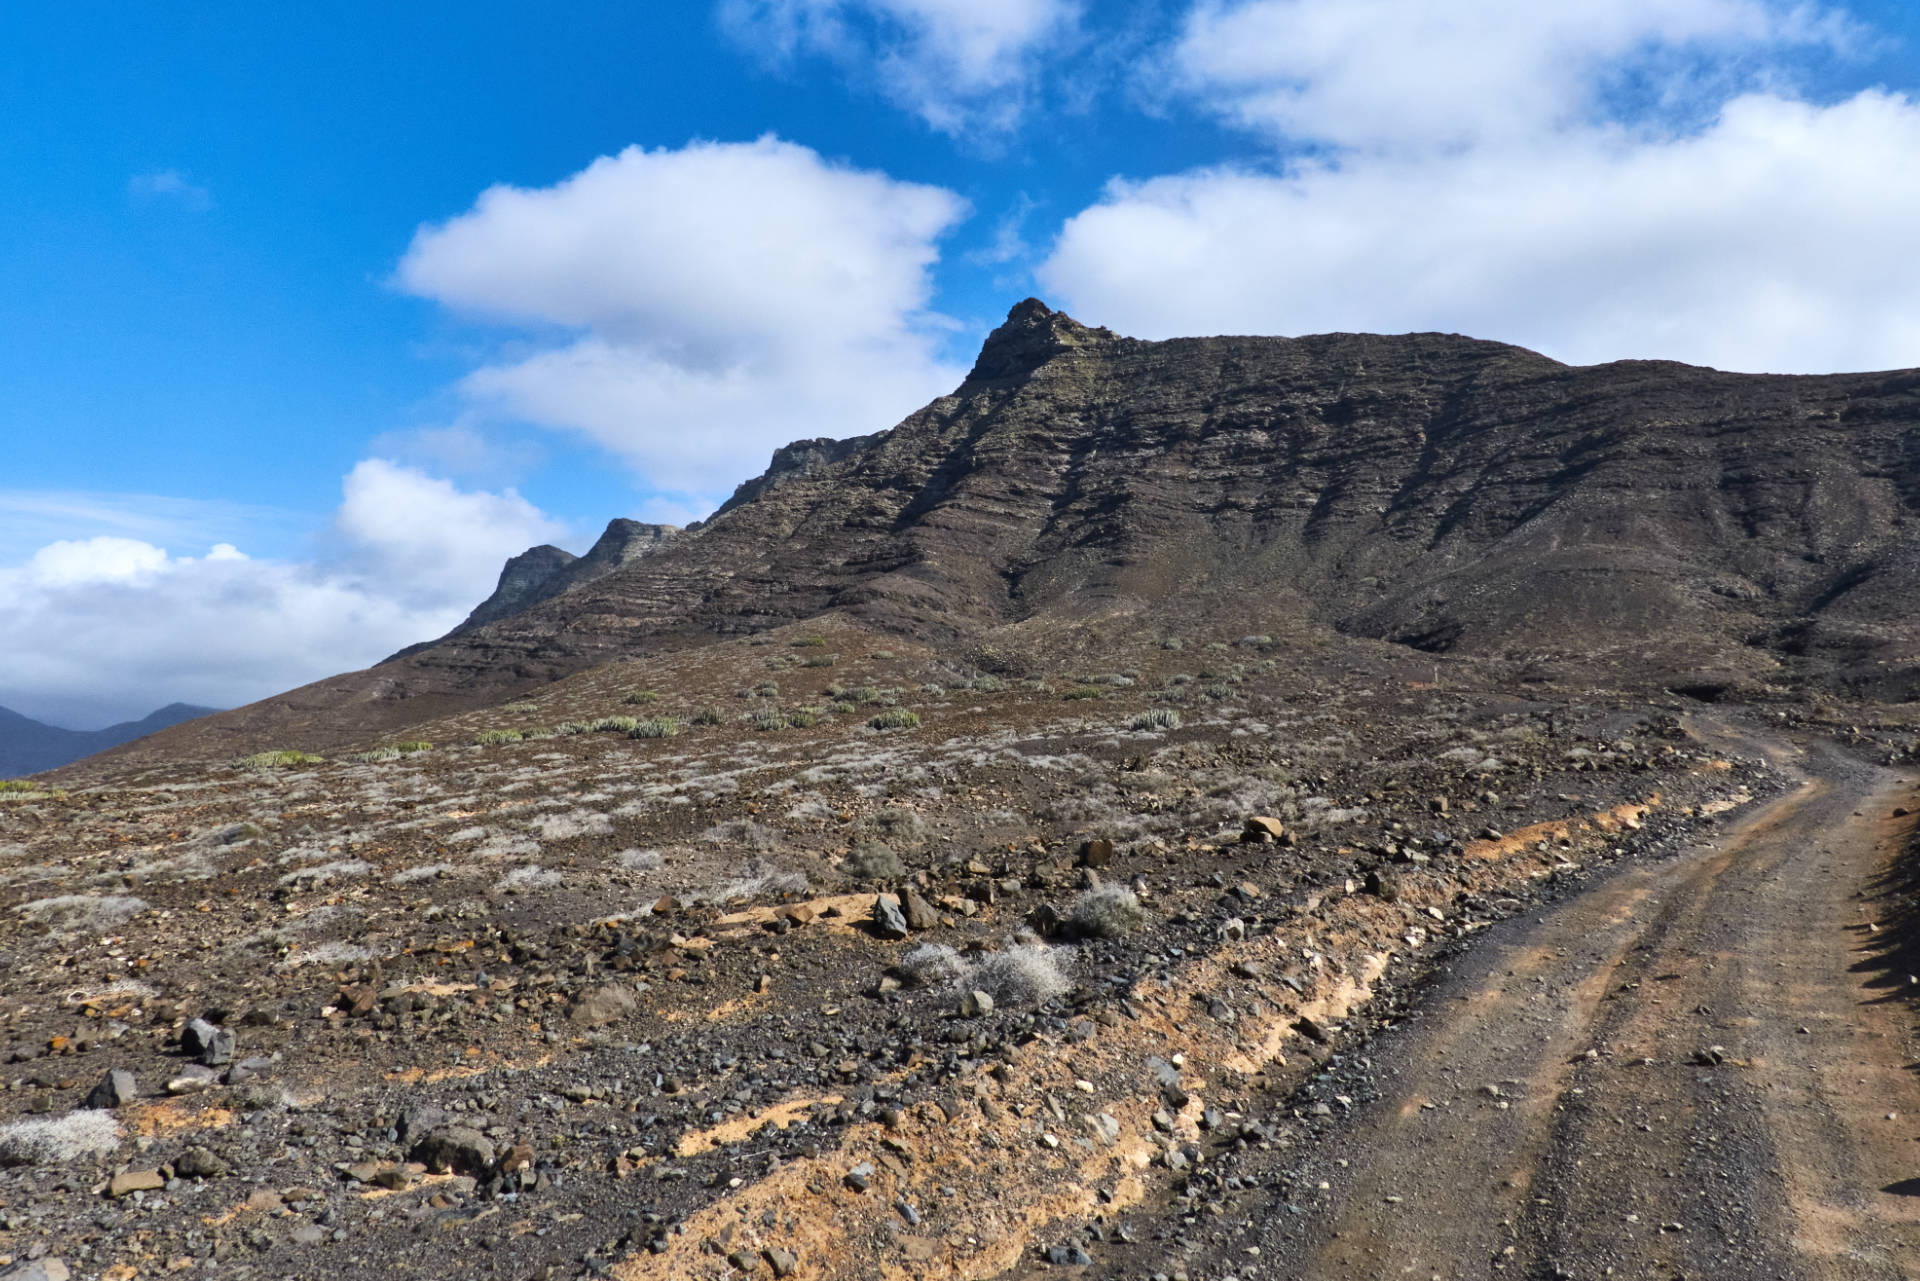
873 962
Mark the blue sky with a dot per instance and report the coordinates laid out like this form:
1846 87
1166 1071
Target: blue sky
256 298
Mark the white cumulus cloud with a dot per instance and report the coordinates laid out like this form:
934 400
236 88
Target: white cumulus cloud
109 627
1402 73
963 66
718 300
1481 167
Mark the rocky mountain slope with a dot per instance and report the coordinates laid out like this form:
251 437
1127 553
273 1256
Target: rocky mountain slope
1429 490
541 573
28 746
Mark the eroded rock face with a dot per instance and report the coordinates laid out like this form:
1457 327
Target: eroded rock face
523 583
1428 489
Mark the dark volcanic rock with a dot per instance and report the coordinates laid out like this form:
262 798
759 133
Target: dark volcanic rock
1428 489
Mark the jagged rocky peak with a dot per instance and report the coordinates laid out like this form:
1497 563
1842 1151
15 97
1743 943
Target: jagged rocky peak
1032 334
521 580
539 574
627 540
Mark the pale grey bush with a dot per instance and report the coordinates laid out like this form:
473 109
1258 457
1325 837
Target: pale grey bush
89 1132
1025 975
341 869
427 873
87 912
1105 912
528 879
874 862
638 860
506 845
573 823
933 965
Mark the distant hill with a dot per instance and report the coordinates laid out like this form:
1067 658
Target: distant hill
28 746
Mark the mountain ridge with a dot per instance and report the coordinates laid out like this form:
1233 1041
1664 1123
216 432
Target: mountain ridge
29 746
1450 494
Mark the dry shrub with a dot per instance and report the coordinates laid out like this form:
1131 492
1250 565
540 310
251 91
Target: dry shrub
1106 912
86 1133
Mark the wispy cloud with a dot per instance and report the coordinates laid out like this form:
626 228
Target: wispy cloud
30 519
170 185
966 67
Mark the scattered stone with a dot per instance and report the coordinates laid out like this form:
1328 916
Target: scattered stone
605 1004
456 1149
889 921
249 1069
130 1181
48 1268
192 1080
213 1046
1711 1056
1068 1256
783 1262
115 1088
200 1163
860 1177
918 912
1383 885
975 1004
1260 829
1096 853
1313 1029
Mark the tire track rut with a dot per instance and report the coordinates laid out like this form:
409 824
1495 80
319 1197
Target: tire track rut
1679 1073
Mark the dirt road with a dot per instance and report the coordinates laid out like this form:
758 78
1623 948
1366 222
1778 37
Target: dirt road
1699 1068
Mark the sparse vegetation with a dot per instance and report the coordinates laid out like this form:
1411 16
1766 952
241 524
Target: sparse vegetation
820 660
641 698
17 785
1081 693
1158 718
814 641
901 825
1024 975
933 965
655 727
85 913
284 758
802 717
527 880
59 1140
874 862
1106 912
493 737
709 715
895 718
767 719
